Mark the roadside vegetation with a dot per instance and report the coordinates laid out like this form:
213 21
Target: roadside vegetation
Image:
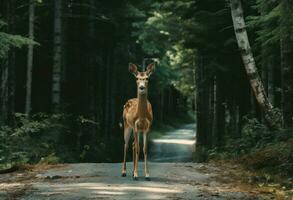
264 158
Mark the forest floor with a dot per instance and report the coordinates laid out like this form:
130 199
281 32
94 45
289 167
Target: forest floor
171 178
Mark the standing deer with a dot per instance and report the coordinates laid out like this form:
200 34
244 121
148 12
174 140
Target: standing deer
137 118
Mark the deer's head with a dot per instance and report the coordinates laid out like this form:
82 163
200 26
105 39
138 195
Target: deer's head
142 78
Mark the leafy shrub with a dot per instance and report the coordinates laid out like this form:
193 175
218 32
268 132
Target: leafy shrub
50 159
46 139
30 139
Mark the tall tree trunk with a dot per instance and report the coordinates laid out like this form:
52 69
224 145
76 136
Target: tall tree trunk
271 115
213 110
233 125
57 59
30 56
219 112
92 71
4 90
162 107
271 82
8 71
252 103
107 94
286 81
264 76
170 106
202 107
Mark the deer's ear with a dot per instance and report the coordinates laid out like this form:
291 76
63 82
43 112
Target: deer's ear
150 69
133 69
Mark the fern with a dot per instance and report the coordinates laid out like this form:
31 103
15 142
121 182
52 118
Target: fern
9 41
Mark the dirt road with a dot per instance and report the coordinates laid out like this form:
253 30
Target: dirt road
103 181
171 178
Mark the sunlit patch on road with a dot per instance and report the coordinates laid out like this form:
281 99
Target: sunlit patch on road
175 141
174 146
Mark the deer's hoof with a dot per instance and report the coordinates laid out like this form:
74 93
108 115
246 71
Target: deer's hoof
123 174
135 178
147 178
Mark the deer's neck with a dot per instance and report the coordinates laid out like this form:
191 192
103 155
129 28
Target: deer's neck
142 105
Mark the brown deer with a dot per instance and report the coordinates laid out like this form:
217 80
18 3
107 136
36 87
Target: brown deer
137 118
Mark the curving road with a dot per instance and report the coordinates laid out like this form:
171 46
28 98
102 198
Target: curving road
174 146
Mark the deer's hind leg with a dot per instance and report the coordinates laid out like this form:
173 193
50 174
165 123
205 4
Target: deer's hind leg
127 134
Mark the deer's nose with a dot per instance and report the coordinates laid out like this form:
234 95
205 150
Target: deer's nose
141 87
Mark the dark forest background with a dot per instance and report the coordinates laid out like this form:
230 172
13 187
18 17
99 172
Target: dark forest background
64 77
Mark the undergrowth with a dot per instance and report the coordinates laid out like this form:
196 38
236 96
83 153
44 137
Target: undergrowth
51 139
266 154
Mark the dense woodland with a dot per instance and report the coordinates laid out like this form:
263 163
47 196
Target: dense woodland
64 75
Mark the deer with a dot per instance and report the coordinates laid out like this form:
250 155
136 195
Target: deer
138 118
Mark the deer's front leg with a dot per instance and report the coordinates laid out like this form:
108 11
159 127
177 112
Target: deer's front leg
136 155
145 152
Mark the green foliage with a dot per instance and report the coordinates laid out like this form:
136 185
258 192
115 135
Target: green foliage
272 23
30 140
46 139
8 41
259 148
162 34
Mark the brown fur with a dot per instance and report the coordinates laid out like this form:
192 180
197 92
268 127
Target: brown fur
138 118
132 114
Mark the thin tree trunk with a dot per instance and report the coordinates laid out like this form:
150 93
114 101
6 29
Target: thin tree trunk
286 82
4 90
201 107
233 126
220 111
213 109
11 85
57 60
194 83
30 56
271 82
108 94
252 103
286 65
264 76
170 101
272 116
203 130
8 72
92 71
162 101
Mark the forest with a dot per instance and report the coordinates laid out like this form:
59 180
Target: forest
225 65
